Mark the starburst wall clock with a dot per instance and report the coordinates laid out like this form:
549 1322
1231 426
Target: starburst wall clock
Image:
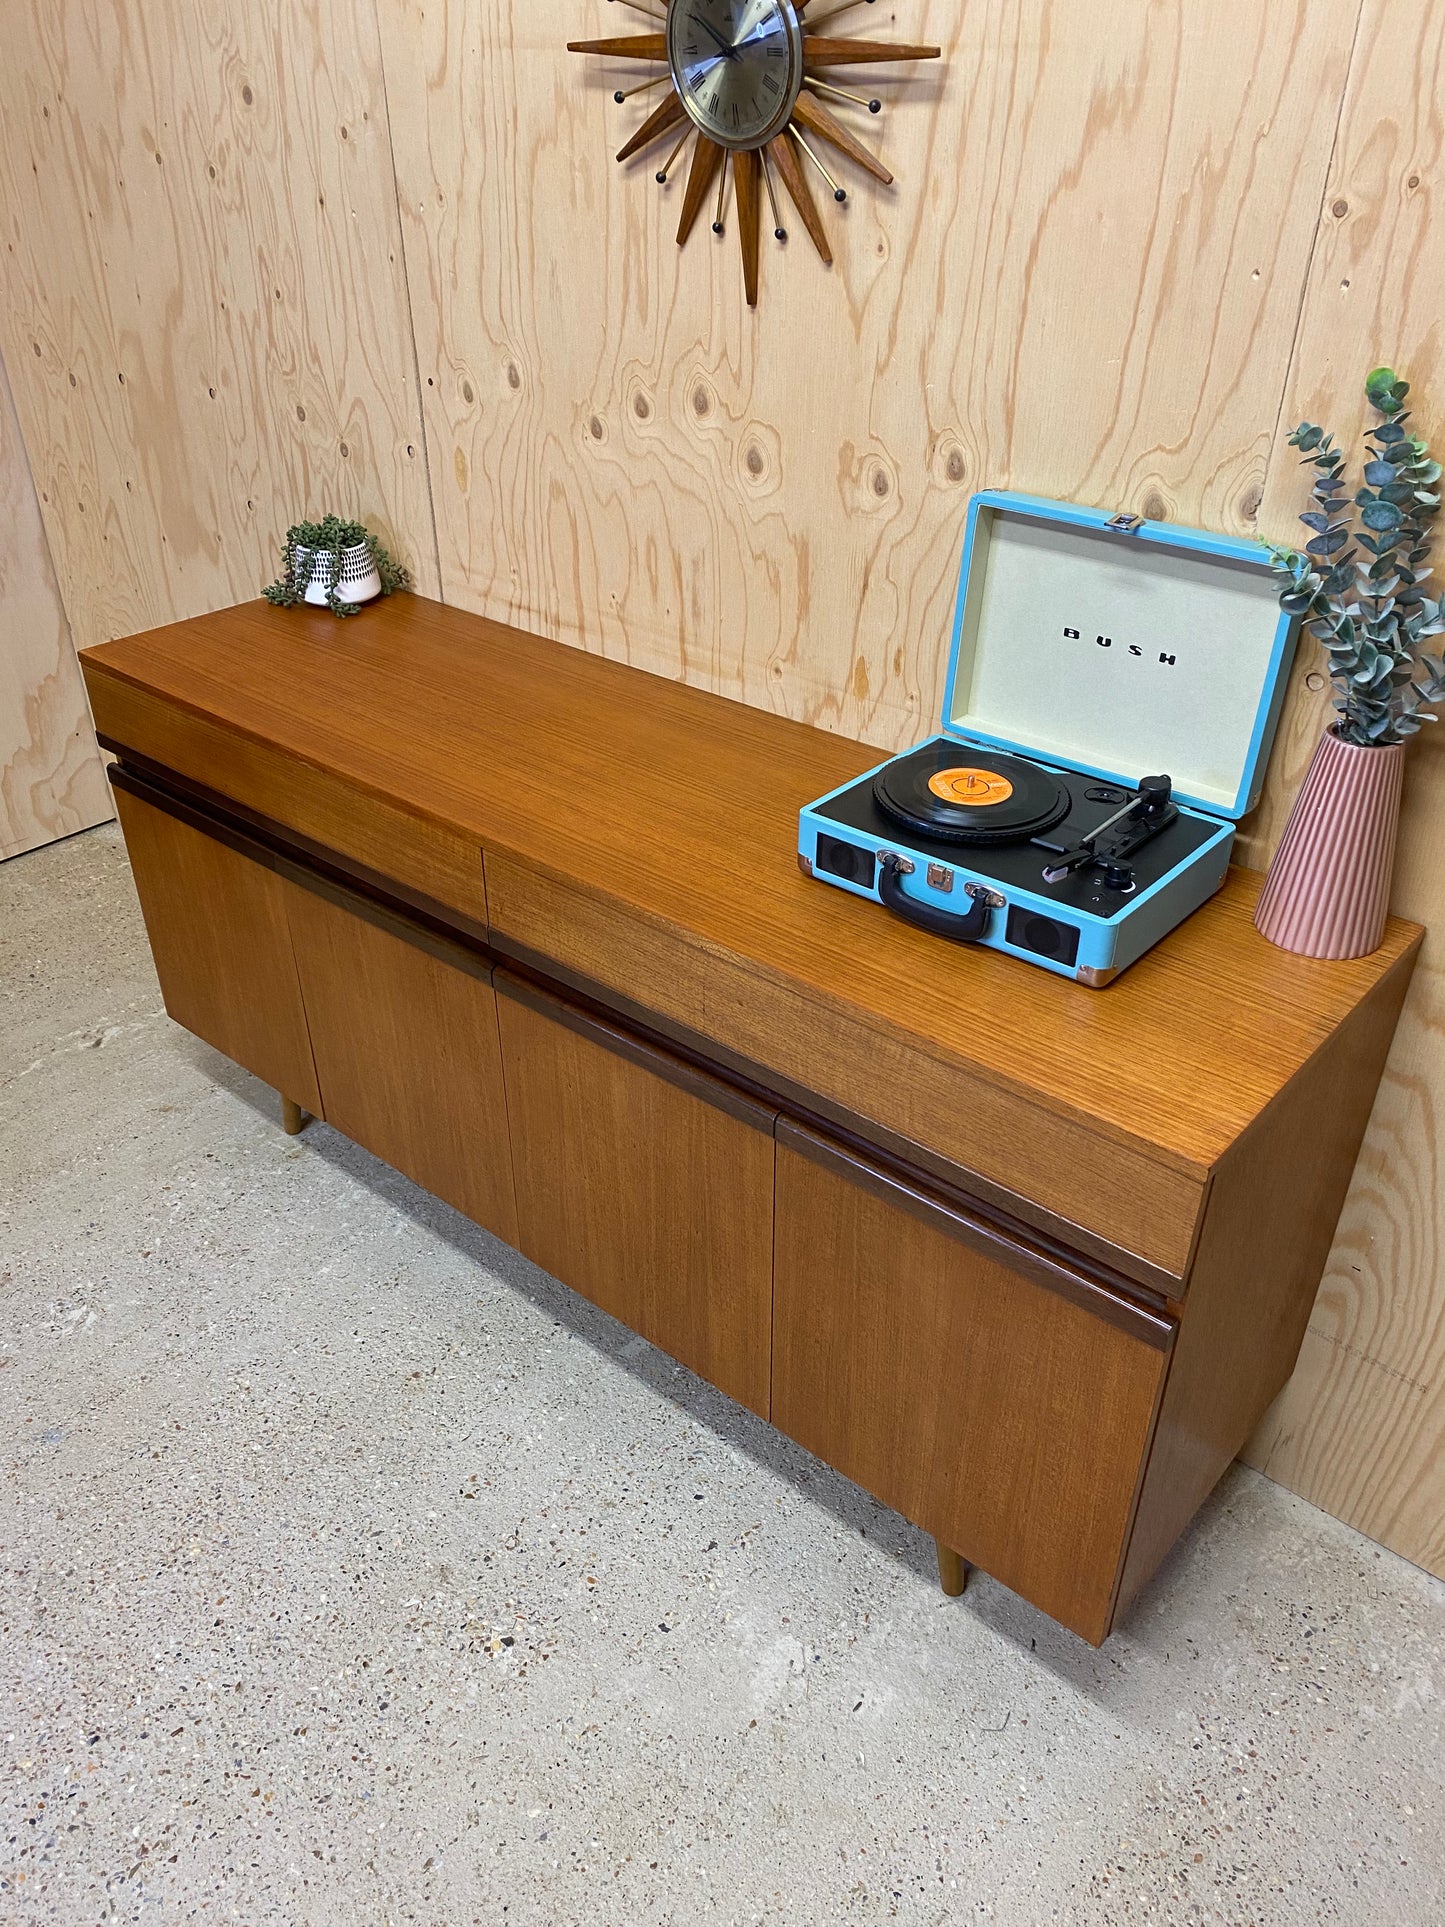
742 88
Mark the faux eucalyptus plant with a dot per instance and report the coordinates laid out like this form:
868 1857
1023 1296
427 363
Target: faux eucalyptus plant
1361 589
313 551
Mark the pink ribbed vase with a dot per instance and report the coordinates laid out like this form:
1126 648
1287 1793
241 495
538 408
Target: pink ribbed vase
1328 889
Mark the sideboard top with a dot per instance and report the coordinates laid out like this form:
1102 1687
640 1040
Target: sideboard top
680 808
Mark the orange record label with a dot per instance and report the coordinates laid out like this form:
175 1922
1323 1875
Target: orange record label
973 786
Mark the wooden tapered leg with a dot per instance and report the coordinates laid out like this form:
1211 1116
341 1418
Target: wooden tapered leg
952 1571
293 1118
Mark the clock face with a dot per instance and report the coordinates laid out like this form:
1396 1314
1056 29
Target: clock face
737 66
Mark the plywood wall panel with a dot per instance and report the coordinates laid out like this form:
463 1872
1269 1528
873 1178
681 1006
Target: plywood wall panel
203 299
51 780
1085 283
1361 1427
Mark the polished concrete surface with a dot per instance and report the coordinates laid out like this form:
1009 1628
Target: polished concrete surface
356 1573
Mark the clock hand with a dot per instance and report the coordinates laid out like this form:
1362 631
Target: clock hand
729 51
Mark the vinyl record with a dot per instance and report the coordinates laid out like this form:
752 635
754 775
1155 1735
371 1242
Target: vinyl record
970 796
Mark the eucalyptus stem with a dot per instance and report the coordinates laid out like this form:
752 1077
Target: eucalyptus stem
1371 616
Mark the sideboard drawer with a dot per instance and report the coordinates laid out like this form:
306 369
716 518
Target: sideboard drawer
1000 1402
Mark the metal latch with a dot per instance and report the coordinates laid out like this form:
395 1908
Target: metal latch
1122 524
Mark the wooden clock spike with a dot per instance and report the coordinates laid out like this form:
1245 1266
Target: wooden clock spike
820 52
705 160
707 169
818 120
657 123
746 169
641 46
784 157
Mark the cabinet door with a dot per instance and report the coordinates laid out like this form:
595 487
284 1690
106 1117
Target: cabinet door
222 945
645 1185
997 1401
404 1031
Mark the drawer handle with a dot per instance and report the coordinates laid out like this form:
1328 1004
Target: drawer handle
970 928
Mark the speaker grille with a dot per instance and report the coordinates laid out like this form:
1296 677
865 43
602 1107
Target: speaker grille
1044 936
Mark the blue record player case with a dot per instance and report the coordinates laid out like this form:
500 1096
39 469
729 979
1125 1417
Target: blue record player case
1090 652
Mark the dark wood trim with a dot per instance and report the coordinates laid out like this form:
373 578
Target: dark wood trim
722 1095
657 1041
1118 1269
219 812
944 1215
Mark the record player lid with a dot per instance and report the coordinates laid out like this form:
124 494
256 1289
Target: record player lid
1119 648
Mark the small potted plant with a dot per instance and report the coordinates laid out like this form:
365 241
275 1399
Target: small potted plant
334 565
1362 595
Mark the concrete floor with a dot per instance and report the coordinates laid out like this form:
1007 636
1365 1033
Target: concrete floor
355 1573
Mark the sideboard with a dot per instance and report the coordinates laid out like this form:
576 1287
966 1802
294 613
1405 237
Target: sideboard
1027 1261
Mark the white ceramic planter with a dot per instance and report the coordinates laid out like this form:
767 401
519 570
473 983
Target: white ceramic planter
358 580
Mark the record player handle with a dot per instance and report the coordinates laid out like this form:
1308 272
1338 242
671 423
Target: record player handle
943 923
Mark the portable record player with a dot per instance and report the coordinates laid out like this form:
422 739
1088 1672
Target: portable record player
1111 698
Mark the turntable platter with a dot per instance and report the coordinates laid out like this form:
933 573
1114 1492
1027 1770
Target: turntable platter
945 790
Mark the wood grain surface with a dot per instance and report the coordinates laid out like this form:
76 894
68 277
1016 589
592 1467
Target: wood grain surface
203 300
222 944
1085 282
51 779
1273 1206
1361 1428
997 1415
646 1187
407 1054
570 771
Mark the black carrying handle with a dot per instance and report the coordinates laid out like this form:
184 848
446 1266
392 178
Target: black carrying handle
943 923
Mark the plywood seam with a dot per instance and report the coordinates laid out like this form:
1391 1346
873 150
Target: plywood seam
1307 276
410 304
7 388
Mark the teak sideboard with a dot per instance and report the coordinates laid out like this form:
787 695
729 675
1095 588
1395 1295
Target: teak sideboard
1027 1261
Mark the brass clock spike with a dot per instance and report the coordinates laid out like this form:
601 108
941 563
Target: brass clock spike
819 120
666 168
722 188
833 93
798 111
839 193
780 233
645 87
